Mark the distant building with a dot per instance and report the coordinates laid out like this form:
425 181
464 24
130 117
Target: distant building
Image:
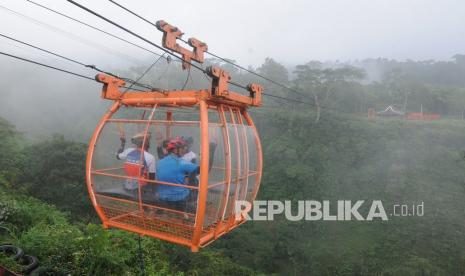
390 112
420 116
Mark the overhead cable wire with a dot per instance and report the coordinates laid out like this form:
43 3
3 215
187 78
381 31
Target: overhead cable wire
43 50
164 72
131 12
132 33
143 74
75 61
93 79
230 62
258 75
53 67
93 27
48 66
212 54
288 99
72 36
146 40
187 79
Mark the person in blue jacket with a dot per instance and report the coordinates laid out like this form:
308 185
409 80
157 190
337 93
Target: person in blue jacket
173 169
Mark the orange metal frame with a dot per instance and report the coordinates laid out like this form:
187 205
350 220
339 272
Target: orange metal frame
219 98
171 34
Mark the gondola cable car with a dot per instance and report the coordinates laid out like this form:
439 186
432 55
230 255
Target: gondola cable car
221 132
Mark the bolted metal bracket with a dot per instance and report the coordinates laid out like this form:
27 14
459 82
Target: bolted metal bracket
171 34
111 86
199 49
220 80
256 91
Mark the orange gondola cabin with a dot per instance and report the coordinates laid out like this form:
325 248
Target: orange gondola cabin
221 136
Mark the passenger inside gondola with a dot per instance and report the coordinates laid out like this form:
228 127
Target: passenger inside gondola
138 163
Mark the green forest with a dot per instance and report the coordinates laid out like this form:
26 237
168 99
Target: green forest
329 150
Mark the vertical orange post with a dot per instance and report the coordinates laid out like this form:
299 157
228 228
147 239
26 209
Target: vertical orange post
203 186
245 149
142 157
259 152
90 153
237 181
227 152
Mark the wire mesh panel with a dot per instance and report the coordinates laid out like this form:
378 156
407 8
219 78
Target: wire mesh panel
236 168
138 183
253 159
126 156
216 175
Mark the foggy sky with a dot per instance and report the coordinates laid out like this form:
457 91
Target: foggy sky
292 32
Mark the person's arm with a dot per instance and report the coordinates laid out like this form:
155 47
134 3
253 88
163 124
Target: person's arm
160 145
190 171
189 168
211 158
192 178
213 145
151 167
121 148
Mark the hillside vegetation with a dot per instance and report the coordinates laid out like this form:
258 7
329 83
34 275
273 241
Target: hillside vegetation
398 162
67 242
328 150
